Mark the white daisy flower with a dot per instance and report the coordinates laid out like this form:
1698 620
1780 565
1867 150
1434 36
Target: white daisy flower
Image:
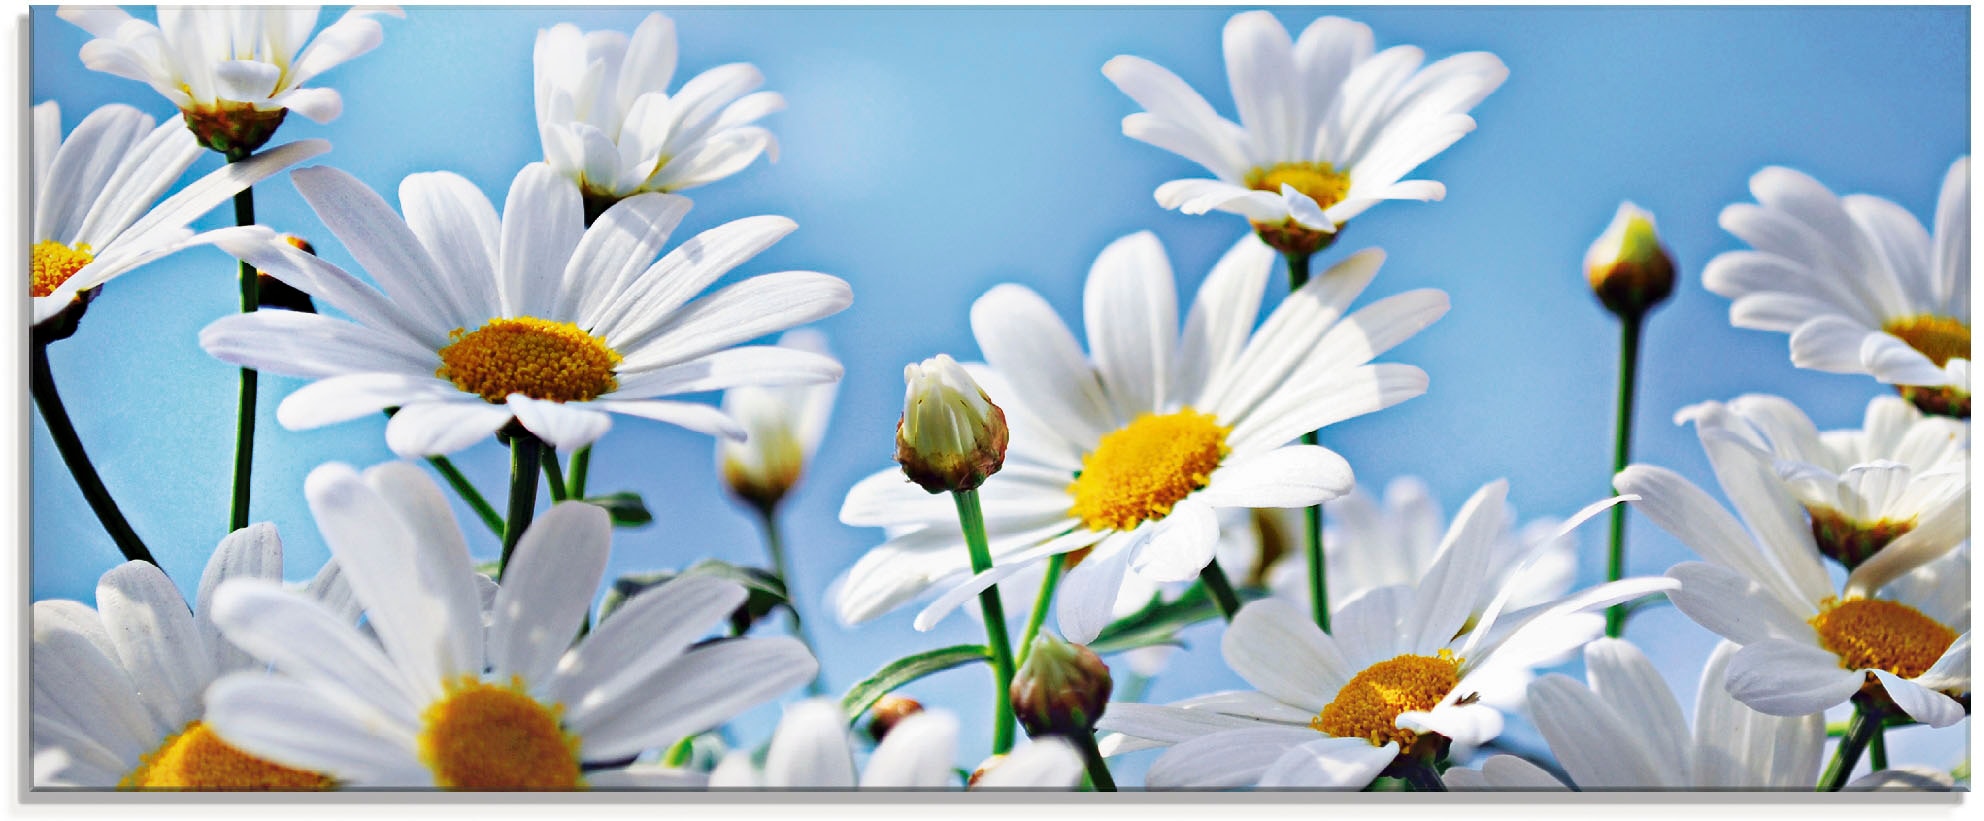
441 701
534 317
117 689
1401 675
1327 127
812 749
784 427
234 72
1861 488
1807 647
606 119
1856 281
1625 731
94 196
1131 449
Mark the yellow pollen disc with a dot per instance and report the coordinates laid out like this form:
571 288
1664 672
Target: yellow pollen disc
483 736
1939 338
1319 180
196 759
1140 471
1875 634
53 264
1369 706
538 358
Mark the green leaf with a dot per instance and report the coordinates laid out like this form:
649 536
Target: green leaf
625 507
764 589
1159 621
905 670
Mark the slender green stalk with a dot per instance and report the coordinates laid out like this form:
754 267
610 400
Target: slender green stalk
1847 755
1041 602
775 546
554 476
1312 516
525 452
581 464
67 443
466 489
1421 776
1222 590
1622 446
972 518
1098 769
244 420
1877 747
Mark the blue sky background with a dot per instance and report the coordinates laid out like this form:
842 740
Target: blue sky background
929 154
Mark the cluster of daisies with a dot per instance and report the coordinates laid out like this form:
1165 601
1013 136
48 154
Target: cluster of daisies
1161 473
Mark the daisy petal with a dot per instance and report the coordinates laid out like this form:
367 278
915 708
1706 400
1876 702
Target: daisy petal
1329 764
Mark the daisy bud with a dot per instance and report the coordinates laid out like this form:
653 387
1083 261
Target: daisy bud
275 293
1061 689
951 436
889 711
1628 269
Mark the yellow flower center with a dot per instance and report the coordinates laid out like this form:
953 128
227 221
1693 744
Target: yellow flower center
1140 471
196 759
538 358
53 263
1369 706
1851 541
1875 634
1939 338
1319 180
482 736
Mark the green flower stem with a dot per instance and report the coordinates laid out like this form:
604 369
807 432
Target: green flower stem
1622 446
1421 776
244 420
525 452
581 463
554 476
775 546
1098 769
1877 746
1222 590
466 489
1052 580
1859 732
1312 516
68 444
972 518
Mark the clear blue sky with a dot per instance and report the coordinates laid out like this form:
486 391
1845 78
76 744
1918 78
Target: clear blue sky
929 154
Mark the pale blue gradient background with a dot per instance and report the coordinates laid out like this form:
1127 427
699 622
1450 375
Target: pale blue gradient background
932 153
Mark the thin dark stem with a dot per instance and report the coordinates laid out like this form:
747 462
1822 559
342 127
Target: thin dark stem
1622 446
1877 747
1098 769
554 476
775 546
244 421
581 464
67 443
1422 777
972 518
1858 734
1312 516
1221 589
466 489
525 451
1041 601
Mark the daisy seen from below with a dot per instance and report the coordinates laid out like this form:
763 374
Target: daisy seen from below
812 749
234 73
117 690
1805 646
440 700
97 213
1857 282
1395 688
1328 126
784 426
1861 488
533 317
1127 451
606 118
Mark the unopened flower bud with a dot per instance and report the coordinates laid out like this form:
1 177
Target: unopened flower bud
951 436
1628 269
1062 688
275 293
889 711
785 424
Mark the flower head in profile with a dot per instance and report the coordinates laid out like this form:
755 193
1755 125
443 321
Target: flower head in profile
97 213
607 120
440 699
1401 674
234 73
812 749
1328 126
783 424
533 317
1857 282
1132 447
